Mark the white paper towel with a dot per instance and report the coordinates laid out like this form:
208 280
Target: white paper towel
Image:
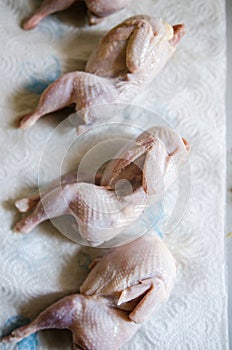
39 268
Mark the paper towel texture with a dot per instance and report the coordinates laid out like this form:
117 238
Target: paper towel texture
39 268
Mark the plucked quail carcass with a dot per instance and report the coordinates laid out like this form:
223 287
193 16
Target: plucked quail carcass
123 289
101 211
97 10
127 59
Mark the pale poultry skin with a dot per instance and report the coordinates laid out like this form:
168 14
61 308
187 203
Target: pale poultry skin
100 211
97 10
123 289
127 59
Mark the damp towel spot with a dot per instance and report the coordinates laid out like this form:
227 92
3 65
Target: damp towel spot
39 75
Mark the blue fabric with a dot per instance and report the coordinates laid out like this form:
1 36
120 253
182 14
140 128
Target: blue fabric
29 343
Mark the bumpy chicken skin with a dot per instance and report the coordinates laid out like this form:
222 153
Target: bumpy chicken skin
128 58
144 267
94 324
100 211
97 10
158 166
124 288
